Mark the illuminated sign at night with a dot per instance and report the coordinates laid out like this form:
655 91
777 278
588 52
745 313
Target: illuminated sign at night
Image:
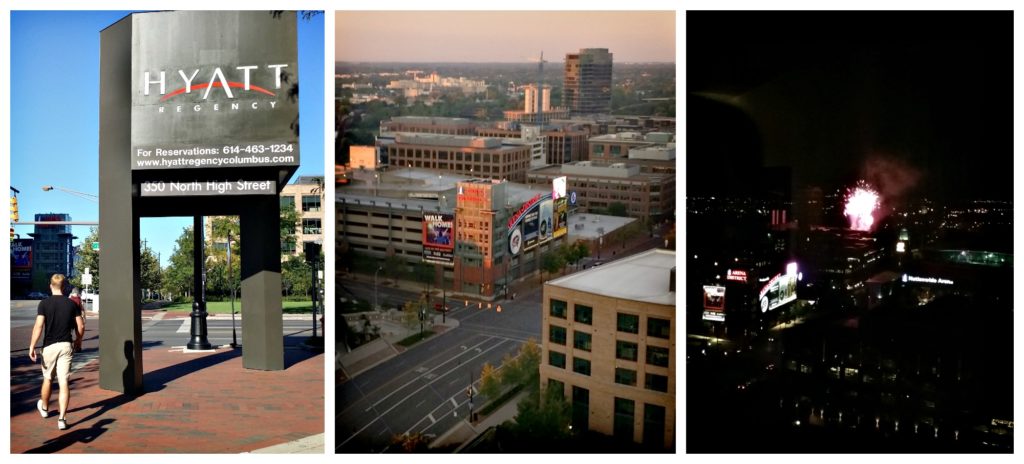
714 303
926 280
779 290
737 275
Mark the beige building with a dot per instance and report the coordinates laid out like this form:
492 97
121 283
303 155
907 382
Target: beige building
482 157
609 343
306 196
599 184
428 125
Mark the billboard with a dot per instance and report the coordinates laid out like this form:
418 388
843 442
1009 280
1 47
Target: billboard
780 290
21 260
537 221
214 89
714 303
560 225
438 238
558 188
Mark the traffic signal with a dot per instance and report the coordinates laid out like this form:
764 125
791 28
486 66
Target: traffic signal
14 209
12 234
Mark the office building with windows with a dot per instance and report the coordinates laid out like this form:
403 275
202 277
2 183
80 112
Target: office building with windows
600 184
306 196
588 81
52 250
483 157
609 344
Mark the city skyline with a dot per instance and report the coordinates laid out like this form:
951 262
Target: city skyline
470 36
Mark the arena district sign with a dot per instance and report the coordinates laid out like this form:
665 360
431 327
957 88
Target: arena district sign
198 116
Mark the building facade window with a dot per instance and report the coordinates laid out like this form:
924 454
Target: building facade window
583 314
625 376
657 356
629 323
581 366
654 425
287 202
558 309
556 359
625 350
556 334
580 408
311 226
581 340
624 413
660 328
656 382
311 203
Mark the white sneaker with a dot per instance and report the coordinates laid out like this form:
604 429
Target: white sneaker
42 410
62 424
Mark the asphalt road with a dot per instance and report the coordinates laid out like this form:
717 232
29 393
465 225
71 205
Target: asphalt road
424 389
165 332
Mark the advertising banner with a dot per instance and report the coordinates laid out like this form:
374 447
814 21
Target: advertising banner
537 221
714 303
561 217
21 260
214 89
438 238
780 290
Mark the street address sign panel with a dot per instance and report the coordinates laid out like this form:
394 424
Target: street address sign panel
214 90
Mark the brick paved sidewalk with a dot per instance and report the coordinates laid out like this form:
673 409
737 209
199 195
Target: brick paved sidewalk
193 403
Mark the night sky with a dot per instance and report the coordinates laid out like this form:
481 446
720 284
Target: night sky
918 103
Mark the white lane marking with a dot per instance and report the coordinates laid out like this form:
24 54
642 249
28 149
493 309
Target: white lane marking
453 402
186 326
432 420
392 408
431 370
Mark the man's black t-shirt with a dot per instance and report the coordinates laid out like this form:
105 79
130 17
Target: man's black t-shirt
59 314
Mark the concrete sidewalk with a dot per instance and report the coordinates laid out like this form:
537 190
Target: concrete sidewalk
192 403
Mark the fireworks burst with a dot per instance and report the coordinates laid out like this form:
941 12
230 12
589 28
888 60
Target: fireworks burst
861 203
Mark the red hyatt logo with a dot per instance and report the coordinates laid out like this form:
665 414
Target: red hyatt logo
217 79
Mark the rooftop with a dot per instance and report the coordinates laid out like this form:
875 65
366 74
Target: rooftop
586 225
642 277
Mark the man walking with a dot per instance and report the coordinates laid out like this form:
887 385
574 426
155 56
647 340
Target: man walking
56 318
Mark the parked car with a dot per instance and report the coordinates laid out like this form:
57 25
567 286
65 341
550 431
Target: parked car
37 296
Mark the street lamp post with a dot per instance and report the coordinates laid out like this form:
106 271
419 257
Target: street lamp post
379 268
199 332
234 333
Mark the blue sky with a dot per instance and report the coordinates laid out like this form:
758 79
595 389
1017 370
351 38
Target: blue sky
55 116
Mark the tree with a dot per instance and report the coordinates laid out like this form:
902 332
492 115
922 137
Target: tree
296 276
551 262
150 274
490 381
87 258
289 222
178 276
543 418
617 209
411 443
411 313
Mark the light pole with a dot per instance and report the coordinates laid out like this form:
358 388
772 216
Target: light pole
87 196
231 281
379 268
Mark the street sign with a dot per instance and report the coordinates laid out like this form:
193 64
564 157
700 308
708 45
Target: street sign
87 279
95 246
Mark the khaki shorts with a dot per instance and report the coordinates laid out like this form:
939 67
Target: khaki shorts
57 361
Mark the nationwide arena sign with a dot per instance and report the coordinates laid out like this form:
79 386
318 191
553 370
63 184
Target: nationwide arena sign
227 97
